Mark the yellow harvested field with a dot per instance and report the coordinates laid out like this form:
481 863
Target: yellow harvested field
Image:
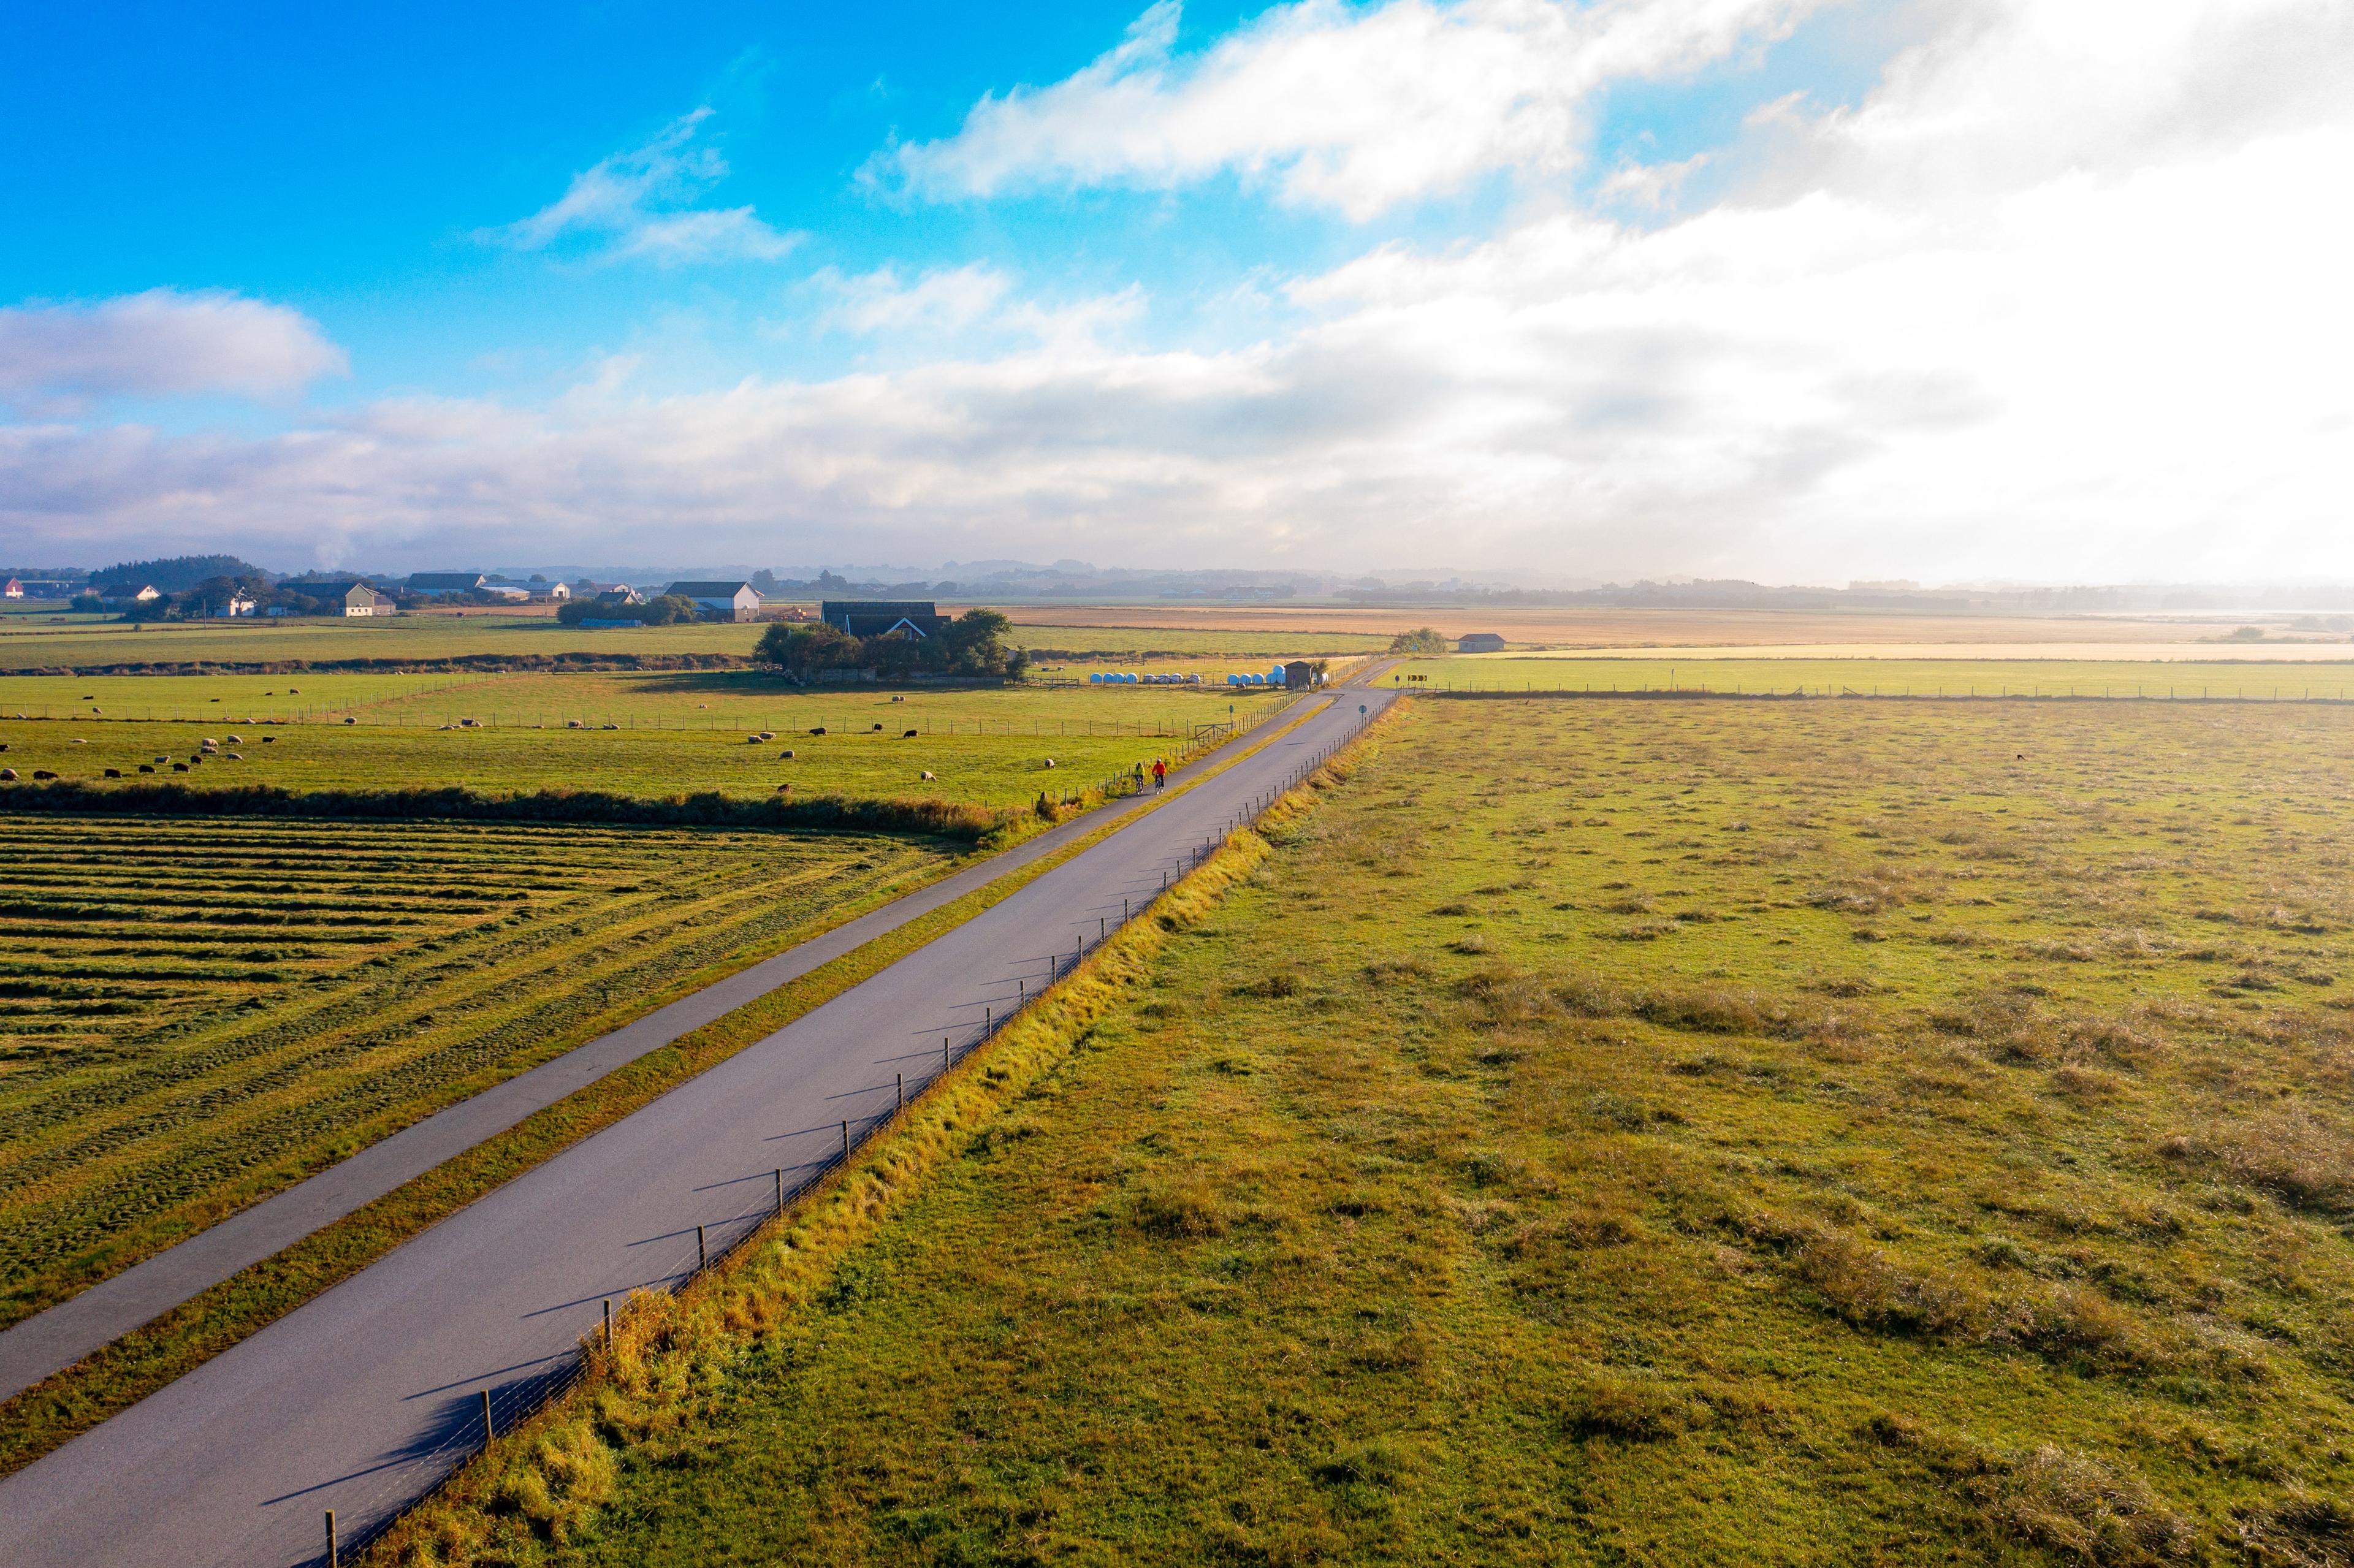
2211 651
1739 632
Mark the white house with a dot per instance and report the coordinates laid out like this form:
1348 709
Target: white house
728 601
238 602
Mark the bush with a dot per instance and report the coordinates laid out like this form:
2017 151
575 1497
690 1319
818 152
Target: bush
1422 640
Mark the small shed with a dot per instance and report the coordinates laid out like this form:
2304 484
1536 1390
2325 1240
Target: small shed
1479 642
1299 676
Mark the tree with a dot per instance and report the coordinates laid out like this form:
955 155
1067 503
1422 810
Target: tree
1422 640
973 644
178 574
809 646
668 609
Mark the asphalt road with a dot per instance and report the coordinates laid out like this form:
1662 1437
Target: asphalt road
360 1399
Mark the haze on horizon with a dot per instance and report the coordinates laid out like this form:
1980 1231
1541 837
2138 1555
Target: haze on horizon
1791 290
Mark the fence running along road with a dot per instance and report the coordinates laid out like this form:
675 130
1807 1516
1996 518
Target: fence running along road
363 1399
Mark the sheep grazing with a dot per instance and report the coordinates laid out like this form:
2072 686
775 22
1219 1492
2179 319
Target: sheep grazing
270 740
1050 762
236 740
878 729
8 775
751 740
573 724
179 767
767 734
114 773
786 755
909 736
41 773
146 767
784 789
351 721
929 775
819 730
235 756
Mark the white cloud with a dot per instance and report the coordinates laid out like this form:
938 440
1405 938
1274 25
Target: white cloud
948 299
1339 108
640 203
1958 331
55 357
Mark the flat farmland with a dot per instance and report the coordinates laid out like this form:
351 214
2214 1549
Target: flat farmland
29 643
674 732
195 1013
481 633
2251 678
1621 1132
244 699
1609 627
1148 642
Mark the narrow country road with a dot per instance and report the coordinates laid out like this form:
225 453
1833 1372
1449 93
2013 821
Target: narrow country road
360 1399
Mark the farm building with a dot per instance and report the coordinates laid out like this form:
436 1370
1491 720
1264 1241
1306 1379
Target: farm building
1299 676
14 590
351 599
1479 642
238 602
728 600
442 585
881 616
131 593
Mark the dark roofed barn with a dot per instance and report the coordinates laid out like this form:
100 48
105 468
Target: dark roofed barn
879 617
1479 642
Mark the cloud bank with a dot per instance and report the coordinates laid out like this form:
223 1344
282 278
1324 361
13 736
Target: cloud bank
161 344
2062 297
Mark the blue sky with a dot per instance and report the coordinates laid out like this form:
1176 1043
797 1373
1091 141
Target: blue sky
965 281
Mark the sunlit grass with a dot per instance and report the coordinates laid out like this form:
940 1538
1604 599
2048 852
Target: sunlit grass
1633 1132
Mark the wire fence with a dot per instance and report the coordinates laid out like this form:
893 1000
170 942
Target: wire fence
475 1414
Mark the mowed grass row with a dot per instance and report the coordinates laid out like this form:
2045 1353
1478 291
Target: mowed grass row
2252 679
194 1013
673 734
1616 1132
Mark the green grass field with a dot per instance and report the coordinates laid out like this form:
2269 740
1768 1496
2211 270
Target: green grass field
2253 678
683 731
1624 1132
193 1013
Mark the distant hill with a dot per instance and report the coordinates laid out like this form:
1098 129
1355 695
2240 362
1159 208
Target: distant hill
178 574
